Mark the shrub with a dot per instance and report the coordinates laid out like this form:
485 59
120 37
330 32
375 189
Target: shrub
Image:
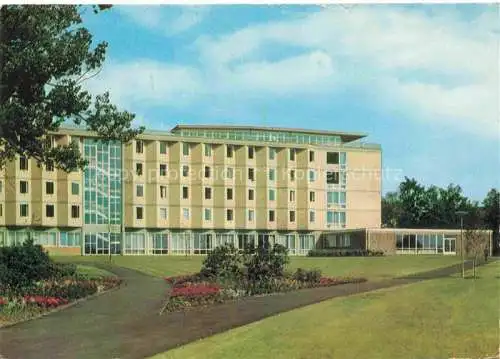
222 261
304 275
22 265
263 263
343 253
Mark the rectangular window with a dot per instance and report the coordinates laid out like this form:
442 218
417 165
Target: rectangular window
163 191
208 149
49 210
229 173
251 174
207 171
343 158
185 149
272 174
250 194
1 186
229 214
23 163
163 170
229 193
332 177
272 153
163 148
139 146
75 211
311 156
1 210
208 193
271 216
292 175
332 158
292 154
250 152
329 217
251 215
139 190
23 186
23 210
292 216
139 212
138 169
312 175
49 187
185 171
75 188
312 216
208 214
185 213
163 213
272 194
292 196
49 166
229 151
312 196
185 192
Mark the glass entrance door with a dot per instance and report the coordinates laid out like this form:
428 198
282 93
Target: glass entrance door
449 246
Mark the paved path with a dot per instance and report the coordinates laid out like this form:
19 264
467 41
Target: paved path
125 323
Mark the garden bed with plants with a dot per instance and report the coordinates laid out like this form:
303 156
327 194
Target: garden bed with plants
230 274
31 284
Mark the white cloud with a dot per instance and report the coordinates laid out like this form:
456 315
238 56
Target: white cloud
147 83
168 20
438 66
435 67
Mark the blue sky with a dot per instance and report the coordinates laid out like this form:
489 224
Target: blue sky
421 80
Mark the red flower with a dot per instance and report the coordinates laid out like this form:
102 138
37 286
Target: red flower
45 301
3 301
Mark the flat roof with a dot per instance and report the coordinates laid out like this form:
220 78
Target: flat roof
345 136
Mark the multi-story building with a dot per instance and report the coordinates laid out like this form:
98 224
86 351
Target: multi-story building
190 189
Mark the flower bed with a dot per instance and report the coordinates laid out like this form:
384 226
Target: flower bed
43 296
192 291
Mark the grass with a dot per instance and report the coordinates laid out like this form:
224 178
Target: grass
439 318
373 268
92 272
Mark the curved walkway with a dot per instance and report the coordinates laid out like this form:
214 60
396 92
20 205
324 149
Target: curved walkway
125 323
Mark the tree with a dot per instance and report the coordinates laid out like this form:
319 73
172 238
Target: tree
391 210
476 244
415 206
491 214
46 56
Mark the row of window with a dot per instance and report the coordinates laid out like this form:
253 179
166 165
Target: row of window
332 177
331 157
50 238
189 242
49 187
24 164
337 198
49 210
333 217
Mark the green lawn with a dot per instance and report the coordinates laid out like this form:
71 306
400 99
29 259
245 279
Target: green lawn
374 268
92 272
433 319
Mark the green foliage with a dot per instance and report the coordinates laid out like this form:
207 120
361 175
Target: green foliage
491 206
22 265
344 253
417 206
304 275
263 263
223 262
47 54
